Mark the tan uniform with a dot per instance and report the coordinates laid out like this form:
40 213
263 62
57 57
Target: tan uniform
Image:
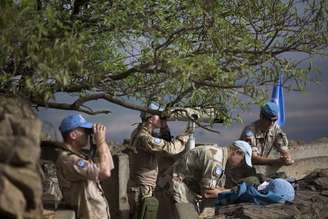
263 142
80 186
144 169
200 169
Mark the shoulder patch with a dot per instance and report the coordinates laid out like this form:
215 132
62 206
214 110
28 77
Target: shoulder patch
81 163
157 140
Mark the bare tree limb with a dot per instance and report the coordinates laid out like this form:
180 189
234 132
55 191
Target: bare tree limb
140 68
66 106
78 104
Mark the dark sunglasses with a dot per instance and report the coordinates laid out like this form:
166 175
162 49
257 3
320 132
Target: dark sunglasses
271 120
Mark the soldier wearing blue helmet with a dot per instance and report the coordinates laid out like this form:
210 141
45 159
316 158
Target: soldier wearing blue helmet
265 135
148 146
79 177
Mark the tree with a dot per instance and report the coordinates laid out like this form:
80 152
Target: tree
200 54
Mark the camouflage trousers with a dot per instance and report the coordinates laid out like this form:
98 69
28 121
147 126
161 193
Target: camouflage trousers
136 194
180 192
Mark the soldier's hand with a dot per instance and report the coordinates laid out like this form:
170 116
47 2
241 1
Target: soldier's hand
282 161
183 138
213 193
164 124
286 160
188 131
99 131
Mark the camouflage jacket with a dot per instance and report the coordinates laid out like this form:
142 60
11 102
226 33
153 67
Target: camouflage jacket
80 186
201 168
145 164
263 142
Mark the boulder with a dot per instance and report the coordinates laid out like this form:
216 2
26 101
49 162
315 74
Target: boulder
20 175
12 201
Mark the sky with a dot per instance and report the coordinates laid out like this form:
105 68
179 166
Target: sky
306 116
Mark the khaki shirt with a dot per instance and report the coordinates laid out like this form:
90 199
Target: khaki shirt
80 186
263 142
202 168
145 164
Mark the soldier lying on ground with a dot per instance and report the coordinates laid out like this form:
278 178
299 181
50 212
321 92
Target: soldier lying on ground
78 175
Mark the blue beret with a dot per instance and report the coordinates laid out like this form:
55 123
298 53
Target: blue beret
270 109
74 121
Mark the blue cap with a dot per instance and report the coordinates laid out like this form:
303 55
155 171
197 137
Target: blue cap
74 121
270 109
246 148
153 106
281 188
249 133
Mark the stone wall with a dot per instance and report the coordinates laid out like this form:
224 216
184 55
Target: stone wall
20 180
308 157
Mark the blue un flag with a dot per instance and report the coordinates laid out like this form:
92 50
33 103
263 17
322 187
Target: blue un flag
278 97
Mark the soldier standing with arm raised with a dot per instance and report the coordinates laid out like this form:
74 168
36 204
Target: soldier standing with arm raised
79 177
145 164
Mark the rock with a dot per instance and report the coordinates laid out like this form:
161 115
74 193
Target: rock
18 151
30 184
245 210
310 202
20 187
12 201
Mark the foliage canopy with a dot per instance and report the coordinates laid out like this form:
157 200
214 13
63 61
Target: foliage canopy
190 53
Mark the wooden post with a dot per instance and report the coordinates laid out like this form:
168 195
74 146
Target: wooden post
123 177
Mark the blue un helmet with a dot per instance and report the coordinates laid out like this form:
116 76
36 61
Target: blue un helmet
270 110
278 191
145 115
249 133
282 189
74 121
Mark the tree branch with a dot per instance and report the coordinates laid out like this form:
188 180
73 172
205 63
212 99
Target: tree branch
117 101
66 106
77 6
78 104
129 72
180 96
209 84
